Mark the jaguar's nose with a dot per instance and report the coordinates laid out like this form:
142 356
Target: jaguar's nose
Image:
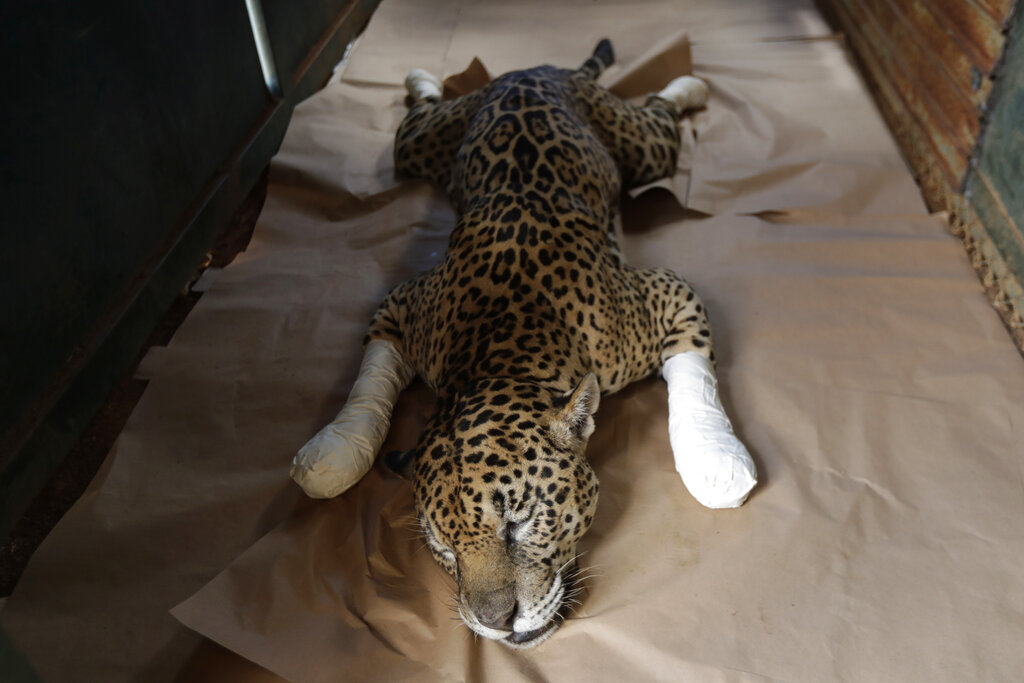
497 610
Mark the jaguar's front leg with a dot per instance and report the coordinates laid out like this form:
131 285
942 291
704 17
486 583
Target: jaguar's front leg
714 464
342 452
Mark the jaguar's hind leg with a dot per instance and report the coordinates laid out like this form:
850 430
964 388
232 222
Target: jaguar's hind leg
714 465
644 141
685 92
430 135
423 85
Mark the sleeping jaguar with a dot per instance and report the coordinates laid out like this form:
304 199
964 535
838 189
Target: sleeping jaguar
531 316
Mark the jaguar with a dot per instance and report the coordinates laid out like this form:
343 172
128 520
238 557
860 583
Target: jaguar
530 317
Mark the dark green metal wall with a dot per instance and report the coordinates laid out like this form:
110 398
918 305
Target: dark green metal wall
131 132
995 182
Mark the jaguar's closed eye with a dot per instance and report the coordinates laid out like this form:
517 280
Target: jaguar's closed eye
434 542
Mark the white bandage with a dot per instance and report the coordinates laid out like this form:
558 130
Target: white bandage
715 466
343 451
687 92
420 84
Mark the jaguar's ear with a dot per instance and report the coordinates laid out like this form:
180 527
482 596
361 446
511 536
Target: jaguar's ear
575 420
401 462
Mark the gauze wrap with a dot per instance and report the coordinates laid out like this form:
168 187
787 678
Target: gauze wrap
343 451
687 92
715 466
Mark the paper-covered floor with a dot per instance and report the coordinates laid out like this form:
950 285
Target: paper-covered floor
859 359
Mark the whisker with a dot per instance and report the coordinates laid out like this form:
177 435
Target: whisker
409 535
571 560
590 571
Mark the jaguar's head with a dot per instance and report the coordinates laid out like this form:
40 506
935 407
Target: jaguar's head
503 494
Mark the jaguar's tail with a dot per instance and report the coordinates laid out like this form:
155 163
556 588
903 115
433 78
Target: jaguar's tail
602 58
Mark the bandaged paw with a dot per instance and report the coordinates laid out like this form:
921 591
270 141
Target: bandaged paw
342 452
714 465
687 92
421 84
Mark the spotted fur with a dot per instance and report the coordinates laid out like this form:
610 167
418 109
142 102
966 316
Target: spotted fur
532 314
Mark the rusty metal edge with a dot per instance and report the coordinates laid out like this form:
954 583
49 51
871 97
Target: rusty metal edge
942 190
1003 289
